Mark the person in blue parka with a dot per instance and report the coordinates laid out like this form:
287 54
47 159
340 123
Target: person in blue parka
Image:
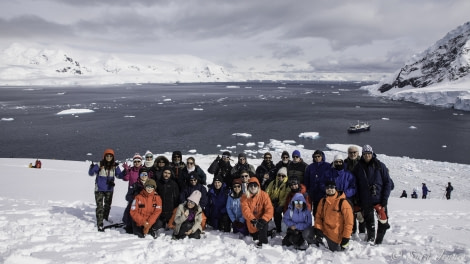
216 209
297 219
373 190
344 179
316 174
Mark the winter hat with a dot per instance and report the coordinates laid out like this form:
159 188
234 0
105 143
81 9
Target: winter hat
330 183
293 180
137 157
108 151
296 153
148 154
338 157
142 169
282 170
242 155
285 153
217 178
367 148
381 215
193 175
176 153
226 153
237 181
318 152
151 182
195 197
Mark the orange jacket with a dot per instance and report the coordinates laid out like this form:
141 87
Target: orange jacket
333 223
256 206
146 207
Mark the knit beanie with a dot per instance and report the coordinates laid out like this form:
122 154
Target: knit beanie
137 157
367 148
195 197
282 170
296 153
151 182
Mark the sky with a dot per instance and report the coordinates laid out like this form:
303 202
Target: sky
363 37
47 216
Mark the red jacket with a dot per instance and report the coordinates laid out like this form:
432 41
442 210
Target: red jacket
146 207
256 206
303 191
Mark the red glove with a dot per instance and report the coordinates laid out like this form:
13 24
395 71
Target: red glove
146 228
381 213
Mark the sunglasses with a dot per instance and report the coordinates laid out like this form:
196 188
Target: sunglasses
192 180
330 187
268 158
285 157
352 152
237 186
143 174
282 175
149 187
298 202
225 157
295 157
245 176
137 161
338 162
317 156
252 185
191 202
190 163
148 157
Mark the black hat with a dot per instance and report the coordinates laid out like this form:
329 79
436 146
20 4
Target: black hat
226 153
242 155
330 183
218 178
293 180
318 152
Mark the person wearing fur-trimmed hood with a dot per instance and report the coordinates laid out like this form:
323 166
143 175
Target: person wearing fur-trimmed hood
188 218
297 218
257 211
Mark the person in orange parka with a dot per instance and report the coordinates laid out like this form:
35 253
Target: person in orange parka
257 210
145 210
333 220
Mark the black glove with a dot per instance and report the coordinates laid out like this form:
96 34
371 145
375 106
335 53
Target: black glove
260 224
111 183
383 203
92 165
344 243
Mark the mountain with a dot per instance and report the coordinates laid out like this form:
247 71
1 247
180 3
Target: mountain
21 65
443 69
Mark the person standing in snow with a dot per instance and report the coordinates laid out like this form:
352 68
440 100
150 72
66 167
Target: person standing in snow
242 164
449 189
158 165
216 209
257 211
131 174
221 167
145 210
266 172
192 167
284 162
188 218
425 191
177 165
373 190
105 172
349 163
297 167
169 192
316 174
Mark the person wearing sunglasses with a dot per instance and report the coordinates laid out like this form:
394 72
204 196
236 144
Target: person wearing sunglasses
131 173
373 185
234 209
105 171
158 165
132 192
242 164
191 167
194 185
285 160
177 164
277 191
316 174
145 210
297 167
349 163
257 210
297 187
297 218
188 218
221 167
333 220
266 172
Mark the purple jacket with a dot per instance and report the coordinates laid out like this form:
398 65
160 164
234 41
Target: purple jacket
301 219
104 181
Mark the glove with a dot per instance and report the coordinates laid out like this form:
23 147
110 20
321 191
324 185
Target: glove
260 224
383 203
111 183
344 243
360 217
125 166
92 165
146 228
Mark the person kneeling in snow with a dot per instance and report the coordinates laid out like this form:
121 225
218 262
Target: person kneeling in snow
333 220
297 218
145 210
188 218
257 210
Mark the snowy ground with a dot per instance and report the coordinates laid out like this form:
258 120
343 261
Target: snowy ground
48 216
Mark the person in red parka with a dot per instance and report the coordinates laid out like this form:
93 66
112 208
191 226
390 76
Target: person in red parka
145 210
257 210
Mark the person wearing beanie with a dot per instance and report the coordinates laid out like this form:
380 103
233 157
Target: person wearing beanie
315 177
257 210
131 173
373 186
188 218
285 160
266 172
192 167
242 164
333 220
215 210
105 172
297 219
297 167
234 209
221 166
169 192
277 191
344 179
194 184
350 162
177 164
132 192
145 210
297 187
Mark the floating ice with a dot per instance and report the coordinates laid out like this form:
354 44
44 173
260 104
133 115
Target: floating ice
311 135
241 134
7 119
413 127
250 144
74 111
385 118
198 109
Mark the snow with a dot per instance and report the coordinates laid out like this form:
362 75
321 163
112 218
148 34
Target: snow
48 216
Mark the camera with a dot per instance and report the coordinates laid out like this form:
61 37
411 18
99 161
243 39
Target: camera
373 190
110 183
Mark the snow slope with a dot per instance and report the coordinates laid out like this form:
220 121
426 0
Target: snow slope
48 216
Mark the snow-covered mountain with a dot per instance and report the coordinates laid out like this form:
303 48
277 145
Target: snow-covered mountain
439 76
22 65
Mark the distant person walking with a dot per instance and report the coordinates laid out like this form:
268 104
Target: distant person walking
425 191
449 189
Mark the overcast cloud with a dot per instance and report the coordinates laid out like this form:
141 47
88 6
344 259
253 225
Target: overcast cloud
261 35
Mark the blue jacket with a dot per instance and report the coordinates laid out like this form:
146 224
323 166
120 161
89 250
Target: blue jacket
217 203
373 182
345 182
104 181
315 177
301 219
234 208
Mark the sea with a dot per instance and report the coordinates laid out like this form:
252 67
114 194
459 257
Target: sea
208 118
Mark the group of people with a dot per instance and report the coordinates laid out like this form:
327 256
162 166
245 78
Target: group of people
311 203
448 190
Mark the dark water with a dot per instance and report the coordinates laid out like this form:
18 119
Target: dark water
162 118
